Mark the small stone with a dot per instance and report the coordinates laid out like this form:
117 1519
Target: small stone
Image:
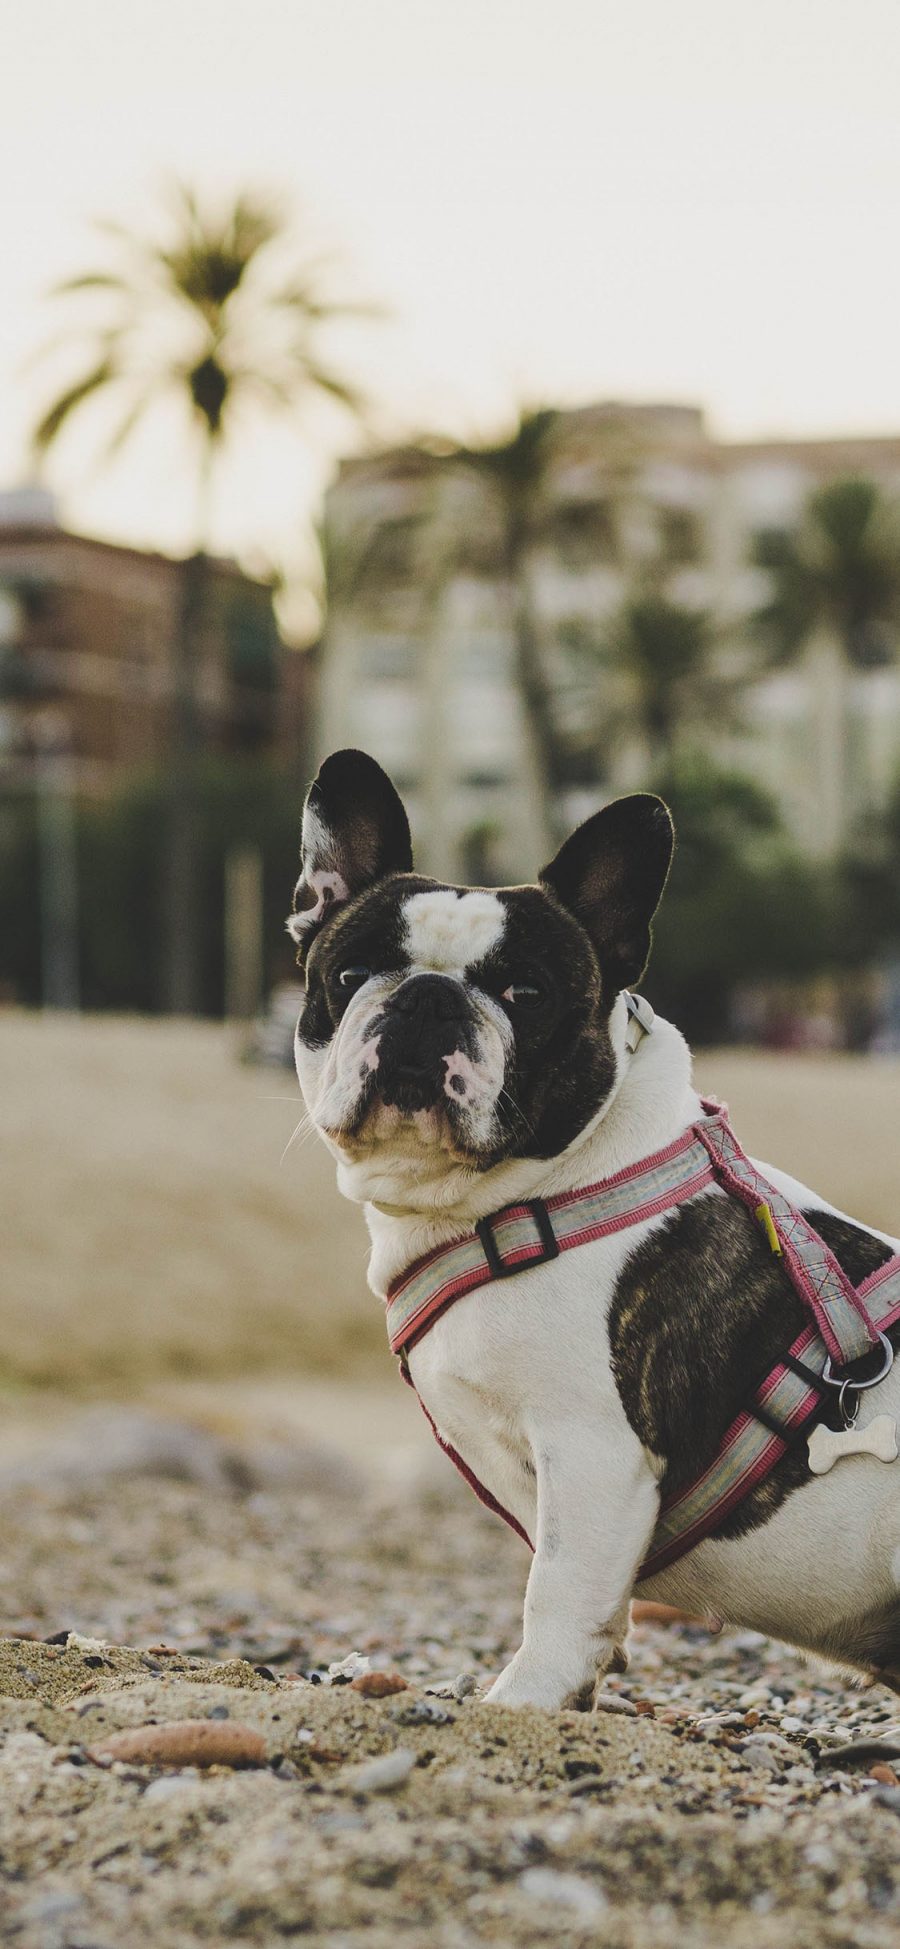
168 1787
884 1773
761 1757
551 1889
454 1688
347 1669
384 1774
184 1742
422 1712
888 1797
379 1685
52 1906
611 1702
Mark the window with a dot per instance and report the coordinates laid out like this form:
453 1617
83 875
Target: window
389 559
585 533
680 535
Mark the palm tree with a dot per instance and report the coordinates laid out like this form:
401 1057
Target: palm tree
663 651
515 466
652 672
835 592
209 313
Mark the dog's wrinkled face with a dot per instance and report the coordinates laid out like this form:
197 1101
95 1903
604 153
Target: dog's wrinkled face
465 1025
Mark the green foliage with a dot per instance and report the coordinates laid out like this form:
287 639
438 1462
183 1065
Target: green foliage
839 570
869 883
121 852
20 933
739 906
666 650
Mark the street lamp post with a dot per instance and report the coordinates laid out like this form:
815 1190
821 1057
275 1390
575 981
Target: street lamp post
58 862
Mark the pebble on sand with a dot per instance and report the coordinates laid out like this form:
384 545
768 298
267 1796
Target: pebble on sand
384 1774
379 1685
550 1889
184 1742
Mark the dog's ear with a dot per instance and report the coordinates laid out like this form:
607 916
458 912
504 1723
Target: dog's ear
355 830
610 874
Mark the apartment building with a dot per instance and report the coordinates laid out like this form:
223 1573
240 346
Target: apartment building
87 629
421 661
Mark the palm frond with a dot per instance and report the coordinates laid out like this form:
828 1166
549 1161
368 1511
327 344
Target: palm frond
122 433
254 222
300 296
56 416
343 391
181 280
98 344
91 281
839 569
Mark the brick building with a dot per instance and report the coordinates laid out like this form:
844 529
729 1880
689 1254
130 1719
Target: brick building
87 630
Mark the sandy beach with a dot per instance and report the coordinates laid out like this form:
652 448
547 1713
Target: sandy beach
220 1505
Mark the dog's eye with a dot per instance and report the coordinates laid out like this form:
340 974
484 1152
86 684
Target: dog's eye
522 994
353 978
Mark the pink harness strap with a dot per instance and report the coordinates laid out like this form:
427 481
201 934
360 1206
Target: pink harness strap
821 1282
845 1321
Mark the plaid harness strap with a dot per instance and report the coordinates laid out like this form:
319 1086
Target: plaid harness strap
845 1321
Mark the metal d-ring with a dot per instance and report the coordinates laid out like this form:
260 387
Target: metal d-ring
850 1390
832 1380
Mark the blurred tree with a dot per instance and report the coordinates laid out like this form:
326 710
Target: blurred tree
869 881
208 315
740 906
664 652
652 673
238 800
516 468
836 592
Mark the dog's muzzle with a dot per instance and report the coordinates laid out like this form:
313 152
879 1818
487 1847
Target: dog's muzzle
424 1023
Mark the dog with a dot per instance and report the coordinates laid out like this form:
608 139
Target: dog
463 1050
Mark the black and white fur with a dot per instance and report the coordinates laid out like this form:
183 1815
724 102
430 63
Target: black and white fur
460 1049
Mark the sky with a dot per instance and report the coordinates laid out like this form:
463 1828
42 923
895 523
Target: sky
555 201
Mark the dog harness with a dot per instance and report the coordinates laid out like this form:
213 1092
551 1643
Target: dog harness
846 1323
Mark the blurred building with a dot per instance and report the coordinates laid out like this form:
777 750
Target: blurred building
433 594
87 629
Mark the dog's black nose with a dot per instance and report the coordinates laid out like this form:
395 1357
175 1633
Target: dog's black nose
422 1025
429 995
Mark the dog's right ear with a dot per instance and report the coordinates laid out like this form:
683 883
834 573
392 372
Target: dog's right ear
355 830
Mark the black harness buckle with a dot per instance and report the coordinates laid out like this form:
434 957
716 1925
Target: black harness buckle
544 1227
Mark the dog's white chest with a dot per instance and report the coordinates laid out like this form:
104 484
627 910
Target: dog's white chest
827 1446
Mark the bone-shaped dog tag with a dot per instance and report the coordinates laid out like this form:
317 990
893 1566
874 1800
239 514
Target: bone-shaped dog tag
827 1447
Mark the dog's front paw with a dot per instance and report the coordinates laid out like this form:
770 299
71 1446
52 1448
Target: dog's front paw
513 1689
523 1683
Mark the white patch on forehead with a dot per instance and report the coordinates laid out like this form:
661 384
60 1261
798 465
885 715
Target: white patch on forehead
452 930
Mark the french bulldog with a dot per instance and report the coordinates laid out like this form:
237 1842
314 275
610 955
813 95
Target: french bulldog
462 1049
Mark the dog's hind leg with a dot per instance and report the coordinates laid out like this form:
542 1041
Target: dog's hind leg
872 1644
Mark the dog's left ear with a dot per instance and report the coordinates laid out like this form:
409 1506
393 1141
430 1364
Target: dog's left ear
355 830
610 874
